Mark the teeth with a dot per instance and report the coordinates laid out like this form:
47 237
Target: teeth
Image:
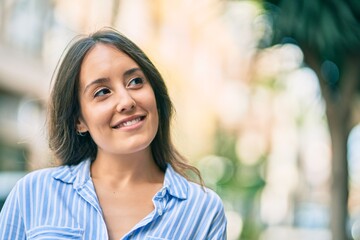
132 122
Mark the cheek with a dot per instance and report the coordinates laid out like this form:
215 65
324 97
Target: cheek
154 109
150 105
96 114
156 120
148 101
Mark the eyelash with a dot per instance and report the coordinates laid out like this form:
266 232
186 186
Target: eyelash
100 92
97 93
136 84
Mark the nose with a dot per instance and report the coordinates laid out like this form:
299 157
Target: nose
125 102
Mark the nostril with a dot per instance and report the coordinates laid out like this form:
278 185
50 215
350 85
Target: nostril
133 105
126 107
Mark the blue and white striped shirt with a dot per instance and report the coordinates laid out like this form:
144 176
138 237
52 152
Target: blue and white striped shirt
61 203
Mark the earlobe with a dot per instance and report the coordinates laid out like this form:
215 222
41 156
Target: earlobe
81 126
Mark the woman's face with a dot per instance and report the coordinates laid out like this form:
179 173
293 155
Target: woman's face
118 106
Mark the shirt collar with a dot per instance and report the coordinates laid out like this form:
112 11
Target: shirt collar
176 185
78 175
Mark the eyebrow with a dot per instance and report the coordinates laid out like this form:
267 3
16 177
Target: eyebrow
127 73
131 71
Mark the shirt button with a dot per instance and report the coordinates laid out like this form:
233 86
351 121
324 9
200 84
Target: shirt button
160 212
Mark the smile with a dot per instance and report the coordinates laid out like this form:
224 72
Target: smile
129 122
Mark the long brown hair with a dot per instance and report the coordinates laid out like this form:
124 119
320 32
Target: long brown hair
64 107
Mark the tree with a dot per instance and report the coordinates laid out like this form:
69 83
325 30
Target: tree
328 32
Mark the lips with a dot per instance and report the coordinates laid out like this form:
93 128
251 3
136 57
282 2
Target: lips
129 122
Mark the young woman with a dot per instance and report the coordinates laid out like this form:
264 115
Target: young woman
121 177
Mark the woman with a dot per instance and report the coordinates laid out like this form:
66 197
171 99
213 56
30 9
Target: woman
121 177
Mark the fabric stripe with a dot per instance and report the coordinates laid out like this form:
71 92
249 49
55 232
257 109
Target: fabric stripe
61 203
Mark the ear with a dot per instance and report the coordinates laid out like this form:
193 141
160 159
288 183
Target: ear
81 125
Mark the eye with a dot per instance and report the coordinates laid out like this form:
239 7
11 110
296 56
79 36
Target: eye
101 92
135 82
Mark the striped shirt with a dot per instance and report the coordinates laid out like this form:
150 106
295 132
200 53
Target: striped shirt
61 203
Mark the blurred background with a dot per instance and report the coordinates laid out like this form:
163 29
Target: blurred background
266 96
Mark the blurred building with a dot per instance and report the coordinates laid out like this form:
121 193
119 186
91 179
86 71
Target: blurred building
271 168
24 81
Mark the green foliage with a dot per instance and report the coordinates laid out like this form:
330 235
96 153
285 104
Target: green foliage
328 32
243 188
331 27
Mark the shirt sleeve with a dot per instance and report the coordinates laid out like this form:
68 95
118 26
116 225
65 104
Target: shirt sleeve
11 221
218 226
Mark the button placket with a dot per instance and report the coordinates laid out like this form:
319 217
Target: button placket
163 192
159 208
161 201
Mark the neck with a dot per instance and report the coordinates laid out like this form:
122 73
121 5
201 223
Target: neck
126 170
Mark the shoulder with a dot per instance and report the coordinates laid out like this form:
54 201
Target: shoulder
45 178
194 193
36 178
202 203
204 194
31 185
38 175
59 174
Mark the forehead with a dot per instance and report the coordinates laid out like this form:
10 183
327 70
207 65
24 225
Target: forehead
103 59
102 52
